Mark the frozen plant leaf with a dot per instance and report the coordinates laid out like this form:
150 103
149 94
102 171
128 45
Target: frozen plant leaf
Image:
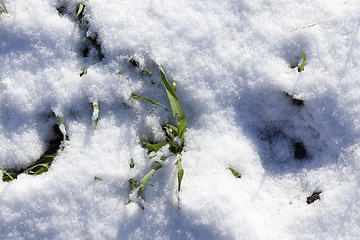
148 71
97 178
304 61
137 108
153 147
300 69
146 178
84 72
147 100
176 107
62 127
80 10
6 173
180 174
235 173
3 9
132 165
96 113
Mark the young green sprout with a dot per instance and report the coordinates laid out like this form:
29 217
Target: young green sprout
300 69
174 134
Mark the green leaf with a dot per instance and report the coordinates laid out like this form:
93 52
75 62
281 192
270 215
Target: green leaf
61 123
45 167
84 72
97 178
6 173
235 173
137 108
180 174
3 8
304 61
80 10
176 107
97 112
147 100
300 69
153 147
148 71
147 177
132 165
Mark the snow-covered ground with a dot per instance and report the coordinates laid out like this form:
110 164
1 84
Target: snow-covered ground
231 61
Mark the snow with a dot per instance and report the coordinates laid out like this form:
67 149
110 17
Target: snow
231 61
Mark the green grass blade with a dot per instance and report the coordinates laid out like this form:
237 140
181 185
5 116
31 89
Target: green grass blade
176 107
132 165
80 9
304 61
3 8
62 127
147 100
180 174
97 113
153 147
45 166
147 177
84 72
6 173
137 108
97 178
235 173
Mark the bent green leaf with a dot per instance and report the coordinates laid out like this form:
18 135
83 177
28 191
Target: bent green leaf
6 173
80 10
147 100
300 69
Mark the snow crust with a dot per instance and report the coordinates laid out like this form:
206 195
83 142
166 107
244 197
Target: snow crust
231 61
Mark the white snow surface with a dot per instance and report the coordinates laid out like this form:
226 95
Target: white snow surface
231 61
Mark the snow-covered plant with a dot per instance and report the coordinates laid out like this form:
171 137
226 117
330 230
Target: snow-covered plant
96 114
301 68
44 162
174 135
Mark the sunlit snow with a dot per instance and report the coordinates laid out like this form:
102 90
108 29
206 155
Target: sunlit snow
288 133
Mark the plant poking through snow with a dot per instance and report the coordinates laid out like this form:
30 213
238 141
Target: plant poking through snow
300 69
174 135
80 9
96 113
3 9
44 162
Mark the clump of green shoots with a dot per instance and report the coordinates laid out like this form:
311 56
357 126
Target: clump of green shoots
301 68
43 163
174 136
